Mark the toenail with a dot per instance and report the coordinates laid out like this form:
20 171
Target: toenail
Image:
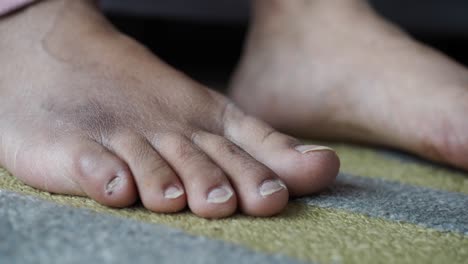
310 148
173 192
270 187
110 187
220 195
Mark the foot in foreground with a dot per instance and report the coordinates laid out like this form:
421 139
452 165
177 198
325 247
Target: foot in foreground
88 111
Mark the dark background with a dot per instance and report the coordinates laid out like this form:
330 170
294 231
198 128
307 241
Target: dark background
204 37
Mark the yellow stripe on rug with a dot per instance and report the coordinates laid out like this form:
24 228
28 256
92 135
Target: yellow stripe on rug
369 162
303 232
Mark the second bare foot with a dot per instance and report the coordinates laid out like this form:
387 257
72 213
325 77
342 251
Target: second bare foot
336 70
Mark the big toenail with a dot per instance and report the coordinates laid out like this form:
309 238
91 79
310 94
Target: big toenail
270 187
220 195
310 148
110 187
173 192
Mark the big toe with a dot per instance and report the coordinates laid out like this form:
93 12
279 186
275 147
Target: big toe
305 169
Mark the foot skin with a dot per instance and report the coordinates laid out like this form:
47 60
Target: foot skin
88 111
336 70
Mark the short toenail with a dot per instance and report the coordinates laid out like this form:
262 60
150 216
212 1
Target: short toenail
269 187
220 195
173 192
310 148
110 187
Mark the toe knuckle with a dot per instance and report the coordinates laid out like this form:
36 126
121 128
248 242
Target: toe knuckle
159 169
187 153
229 148
141 152
83 165
217 173
263 173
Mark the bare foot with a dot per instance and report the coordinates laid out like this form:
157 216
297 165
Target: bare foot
88 111
336 70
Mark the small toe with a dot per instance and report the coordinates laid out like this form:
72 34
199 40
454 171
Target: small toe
209 192
260 191
159 187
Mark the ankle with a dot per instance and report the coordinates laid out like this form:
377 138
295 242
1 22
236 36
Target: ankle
58 27
36 20
300 8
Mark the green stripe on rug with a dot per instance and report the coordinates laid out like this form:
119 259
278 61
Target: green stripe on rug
368 162
303 232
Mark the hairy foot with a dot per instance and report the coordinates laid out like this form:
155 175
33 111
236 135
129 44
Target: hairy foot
88 111
336 70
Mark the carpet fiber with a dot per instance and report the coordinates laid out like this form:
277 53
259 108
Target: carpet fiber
385 207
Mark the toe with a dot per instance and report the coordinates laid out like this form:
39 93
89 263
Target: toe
103 176
260 191
158 185
79 166
209 192
304 169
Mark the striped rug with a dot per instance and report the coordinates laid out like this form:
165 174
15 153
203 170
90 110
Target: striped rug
385 207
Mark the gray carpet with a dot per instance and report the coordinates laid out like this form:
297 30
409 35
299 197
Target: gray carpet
35 231
441 210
